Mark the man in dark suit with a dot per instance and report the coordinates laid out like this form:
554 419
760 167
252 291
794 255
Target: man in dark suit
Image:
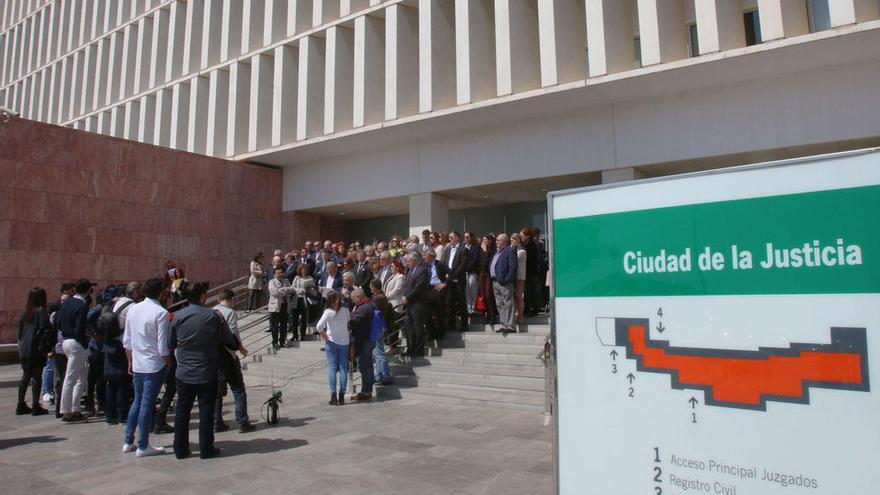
416 294
292 261
456 261
531 303
472 270
362 273
438 277
502 269
331 279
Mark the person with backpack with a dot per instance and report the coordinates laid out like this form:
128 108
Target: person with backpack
111 325
35 338
361 326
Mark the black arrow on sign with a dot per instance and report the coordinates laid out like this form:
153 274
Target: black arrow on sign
614 355
693 402
630 377
660 327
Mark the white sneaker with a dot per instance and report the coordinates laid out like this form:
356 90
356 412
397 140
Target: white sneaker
150 450
127 447
47 398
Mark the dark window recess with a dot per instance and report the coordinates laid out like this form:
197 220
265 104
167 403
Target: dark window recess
752 23
694 40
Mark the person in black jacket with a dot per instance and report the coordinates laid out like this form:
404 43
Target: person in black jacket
34 341
456 260
416 294
472 271
438 277
360 325
71 322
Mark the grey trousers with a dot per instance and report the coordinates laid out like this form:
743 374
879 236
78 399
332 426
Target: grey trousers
506 306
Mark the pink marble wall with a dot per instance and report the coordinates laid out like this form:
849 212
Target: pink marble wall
77 204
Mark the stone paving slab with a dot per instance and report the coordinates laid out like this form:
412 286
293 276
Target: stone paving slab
382 447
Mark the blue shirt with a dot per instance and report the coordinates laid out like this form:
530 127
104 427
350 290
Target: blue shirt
435 280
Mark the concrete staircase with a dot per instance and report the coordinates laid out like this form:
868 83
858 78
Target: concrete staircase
474 368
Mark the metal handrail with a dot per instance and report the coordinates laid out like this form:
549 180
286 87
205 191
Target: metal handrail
212 293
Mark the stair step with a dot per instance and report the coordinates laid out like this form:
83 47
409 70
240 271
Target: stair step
495 347
509 338
443 378
535 370
468 354
476 398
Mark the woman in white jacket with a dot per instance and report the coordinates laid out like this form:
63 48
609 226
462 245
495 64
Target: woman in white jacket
333 327
256 282
394 286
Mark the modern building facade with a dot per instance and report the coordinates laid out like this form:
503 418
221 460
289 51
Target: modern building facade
402 114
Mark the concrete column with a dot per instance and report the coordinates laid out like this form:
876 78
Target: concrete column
76 85
211 33
176 35
104 123
563 41
115 50
40 31
719 25
324 11
348 7
159 48
72 18
230 41
97 19
783 19
253 20
621 175
299 16
369 71
662 31
132 118
517 57
401 61
63 98
474 50
142 57
162 123
45 82
260 113
129 67
428 211
310 95
147 119
85 21
284 87
110 17
197 127
88 78
102 58
179 116
31 54
218 105
275 22
338 79
33 96
436 55
123 13
54 93
845 12
239 106
192 40
610 31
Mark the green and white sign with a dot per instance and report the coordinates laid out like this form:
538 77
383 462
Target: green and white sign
718 332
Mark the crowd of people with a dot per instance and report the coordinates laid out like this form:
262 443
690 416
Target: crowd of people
115 352
110 355
438 282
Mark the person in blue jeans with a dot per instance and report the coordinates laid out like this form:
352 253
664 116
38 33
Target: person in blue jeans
146 338
361 326
333 327
380 360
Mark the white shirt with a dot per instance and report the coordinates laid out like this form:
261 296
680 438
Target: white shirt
452 250
147 328
335 323
231 319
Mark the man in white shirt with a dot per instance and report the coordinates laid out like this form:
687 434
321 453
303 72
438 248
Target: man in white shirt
226 308
147 328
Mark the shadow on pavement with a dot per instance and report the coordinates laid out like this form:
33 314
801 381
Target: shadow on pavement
17 442
258 446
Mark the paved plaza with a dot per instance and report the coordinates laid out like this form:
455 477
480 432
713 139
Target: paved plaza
390 446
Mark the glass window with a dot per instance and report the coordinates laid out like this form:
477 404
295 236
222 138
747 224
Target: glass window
693 40
820 17
753 27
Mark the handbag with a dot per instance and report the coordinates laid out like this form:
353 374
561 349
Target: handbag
480 305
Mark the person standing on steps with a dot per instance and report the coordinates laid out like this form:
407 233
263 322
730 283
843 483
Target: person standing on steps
196 336
71 321
333 327
226 308
503 269
145 340
256 282
360 326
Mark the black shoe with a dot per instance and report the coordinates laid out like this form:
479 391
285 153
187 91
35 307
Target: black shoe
21 409
387 382
39 410
112 422
221 427
162 428
183 455
341 401
73 419
214 452
333 401
246 428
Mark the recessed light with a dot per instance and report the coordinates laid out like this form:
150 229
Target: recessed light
342 213
543 190
485 197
